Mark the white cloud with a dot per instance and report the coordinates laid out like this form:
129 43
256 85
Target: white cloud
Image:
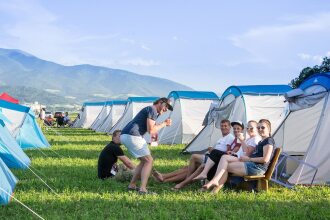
129 41
175 38
144 47
282 42
309 57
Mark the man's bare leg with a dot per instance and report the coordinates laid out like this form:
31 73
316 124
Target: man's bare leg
179 177
163 177
194 162
190 178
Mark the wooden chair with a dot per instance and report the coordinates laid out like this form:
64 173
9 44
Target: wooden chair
262 180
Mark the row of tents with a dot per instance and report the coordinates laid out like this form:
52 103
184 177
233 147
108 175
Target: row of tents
299 120
18 131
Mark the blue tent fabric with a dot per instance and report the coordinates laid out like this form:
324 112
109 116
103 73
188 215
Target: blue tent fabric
322 79
7 183
142 99
256 90
29 134
119 102
10 151
193 95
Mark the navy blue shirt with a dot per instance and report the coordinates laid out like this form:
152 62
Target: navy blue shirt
138 126
259 152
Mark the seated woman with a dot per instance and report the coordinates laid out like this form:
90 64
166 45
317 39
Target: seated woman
256 164
247 147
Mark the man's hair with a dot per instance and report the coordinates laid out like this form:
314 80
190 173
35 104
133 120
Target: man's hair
161 100
115 133
225 121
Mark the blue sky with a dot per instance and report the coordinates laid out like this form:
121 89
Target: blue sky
207 45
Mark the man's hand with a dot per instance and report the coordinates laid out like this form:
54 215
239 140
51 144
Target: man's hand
209 149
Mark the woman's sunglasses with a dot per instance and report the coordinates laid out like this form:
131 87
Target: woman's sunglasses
261 127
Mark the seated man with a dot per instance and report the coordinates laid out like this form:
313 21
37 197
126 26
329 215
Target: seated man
196 162
60 120
66 119
108 158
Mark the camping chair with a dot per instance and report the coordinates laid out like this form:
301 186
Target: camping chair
262 183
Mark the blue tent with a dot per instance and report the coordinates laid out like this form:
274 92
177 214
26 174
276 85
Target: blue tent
10 151
23 126
7 183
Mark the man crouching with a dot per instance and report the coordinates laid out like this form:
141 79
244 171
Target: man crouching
107 163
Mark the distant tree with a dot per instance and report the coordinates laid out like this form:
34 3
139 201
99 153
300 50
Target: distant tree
308 71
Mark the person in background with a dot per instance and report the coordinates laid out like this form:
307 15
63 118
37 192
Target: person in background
107 162
66 119
49 121
43 114
132 138
60 120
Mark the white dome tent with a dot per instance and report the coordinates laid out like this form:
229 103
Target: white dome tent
304 133
134 105
117 110
88 114
102 115
242 103
189 109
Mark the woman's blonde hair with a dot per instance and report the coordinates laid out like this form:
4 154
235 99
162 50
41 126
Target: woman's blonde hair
267 122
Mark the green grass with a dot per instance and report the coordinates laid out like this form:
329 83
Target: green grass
70 168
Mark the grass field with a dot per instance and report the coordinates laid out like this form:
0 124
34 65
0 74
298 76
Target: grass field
70 168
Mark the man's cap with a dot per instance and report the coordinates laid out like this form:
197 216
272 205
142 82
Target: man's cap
237 122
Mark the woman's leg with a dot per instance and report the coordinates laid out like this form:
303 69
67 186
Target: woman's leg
222 167
221 183
203 175
145 171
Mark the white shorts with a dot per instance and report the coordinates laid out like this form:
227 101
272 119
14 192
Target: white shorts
136 145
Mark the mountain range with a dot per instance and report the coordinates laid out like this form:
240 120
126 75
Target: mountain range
28 77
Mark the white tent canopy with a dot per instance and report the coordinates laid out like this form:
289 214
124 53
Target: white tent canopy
134 105
116 111
189 109
102 115
305 131
88 114
242 103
